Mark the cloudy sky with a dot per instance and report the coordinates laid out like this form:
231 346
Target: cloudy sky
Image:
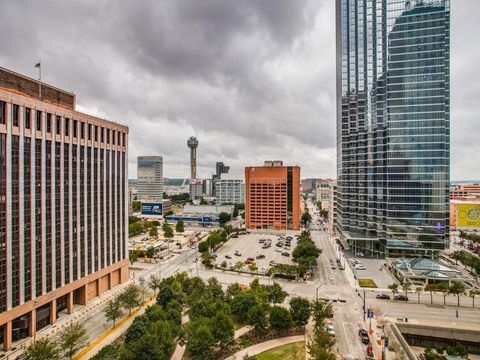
253 80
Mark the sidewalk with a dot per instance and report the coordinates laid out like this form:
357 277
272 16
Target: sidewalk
267 345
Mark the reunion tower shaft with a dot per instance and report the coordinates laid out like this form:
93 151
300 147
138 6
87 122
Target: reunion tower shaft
193 144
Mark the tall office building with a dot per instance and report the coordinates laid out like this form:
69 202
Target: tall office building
393 125
150 178
63 206
272 196
221 168
230 189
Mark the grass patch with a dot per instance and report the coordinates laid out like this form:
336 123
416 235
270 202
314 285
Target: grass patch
367 283
295 351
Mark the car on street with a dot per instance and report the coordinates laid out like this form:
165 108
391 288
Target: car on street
228 257
360 267
364 336
383 296
260 256
360 254
238 253
400 298
285 253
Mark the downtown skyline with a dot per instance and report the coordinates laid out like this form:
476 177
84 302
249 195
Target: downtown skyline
286 76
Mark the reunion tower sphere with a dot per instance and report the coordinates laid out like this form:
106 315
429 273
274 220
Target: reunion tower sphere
193 144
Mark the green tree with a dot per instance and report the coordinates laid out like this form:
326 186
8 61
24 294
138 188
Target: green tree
151 251
276 294
200 341
419 291
239 265
257 317
252 267
306 218
113 310
300 310
431 288
280 318
180 227
167 231
133 256
42 349
130 297
406 287
321 310
393 288
223 264
72 339
153 232
154 282
136 330
473 293
223 329
136 205
135 229
203 201
320 346
108 352
203 246
445 290
457 288
241 303
224 218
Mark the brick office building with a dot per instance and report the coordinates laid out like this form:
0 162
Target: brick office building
63 206
272 196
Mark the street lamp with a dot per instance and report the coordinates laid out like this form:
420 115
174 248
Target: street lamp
316 292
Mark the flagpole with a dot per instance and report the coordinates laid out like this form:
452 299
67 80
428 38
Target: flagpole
40 80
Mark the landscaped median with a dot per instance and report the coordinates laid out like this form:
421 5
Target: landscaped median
367 283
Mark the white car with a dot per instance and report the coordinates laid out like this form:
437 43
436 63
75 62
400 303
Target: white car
360 267
330 330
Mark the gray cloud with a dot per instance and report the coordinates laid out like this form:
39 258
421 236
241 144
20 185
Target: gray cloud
253 80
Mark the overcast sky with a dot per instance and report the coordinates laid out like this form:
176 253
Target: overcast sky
252 80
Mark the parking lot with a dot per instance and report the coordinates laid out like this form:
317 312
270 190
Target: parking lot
371 270
249 247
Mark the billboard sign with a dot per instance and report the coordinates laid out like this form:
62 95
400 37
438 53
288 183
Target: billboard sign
152 208
468 216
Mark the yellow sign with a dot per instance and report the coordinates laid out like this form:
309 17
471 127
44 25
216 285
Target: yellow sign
468 216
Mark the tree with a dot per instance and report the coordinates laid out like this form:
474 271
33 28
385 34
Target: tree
73 339
224 218
130 297
200 341
280 318
180 227
151 251
167 231
136 205
445 290
153 232
320 346
473 293
457 288
42 349
252 267
406 287
203 246
257 317
241 304
154 282
113 310
457 255
321 310
306 218
136 330
300 310
133 256
431 288
394 288
276 294
223 264
223 329
419 290
239 265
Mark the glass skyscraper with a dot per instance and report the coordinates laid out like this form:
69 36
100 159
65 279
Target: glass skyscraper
393 125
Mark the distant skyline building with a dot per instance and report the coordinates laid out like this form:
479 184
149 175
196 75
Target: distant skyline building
192 144
150 178
272 196
63 206
221 168
393 125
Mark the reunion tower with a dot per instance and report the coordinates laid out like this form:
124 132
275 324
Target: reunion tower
193 144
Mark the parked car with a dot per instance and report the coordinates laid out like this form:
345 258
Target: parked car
238 253
278 250
228 257
260 256
273 263
285 253
261 241
330 330
383 296
250 259
400 298
364 336
360 267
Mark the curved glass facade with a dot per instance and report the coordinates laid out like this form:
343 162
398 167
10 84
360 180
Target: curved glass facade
393 125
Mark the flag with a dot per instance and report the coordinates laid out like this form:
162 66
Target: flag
37 65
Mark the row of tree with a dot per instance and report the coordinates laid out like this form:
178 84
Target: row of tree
468 259
305 253
475 238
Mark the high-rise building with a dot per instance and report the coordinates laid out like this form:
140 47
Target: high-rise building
393 125
150 178
63 206
230 189
221 168
272 196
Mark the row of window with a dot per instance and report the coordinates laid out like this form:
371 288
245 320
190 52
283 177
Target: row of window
116 137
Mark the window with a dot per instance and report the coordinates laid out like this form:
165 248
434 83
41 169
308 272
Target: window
16 113
96 133
102 132
3 107
89 131
123 139
74 128
39 121
67 130
49 123
58 125
113 136
28 114
108 136
82 130
118 134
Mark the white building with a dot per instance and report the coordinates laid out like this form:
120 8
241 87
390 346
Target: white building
150 178
230 189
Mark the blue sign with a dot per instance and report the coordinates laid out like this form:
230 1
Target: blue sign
152 208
